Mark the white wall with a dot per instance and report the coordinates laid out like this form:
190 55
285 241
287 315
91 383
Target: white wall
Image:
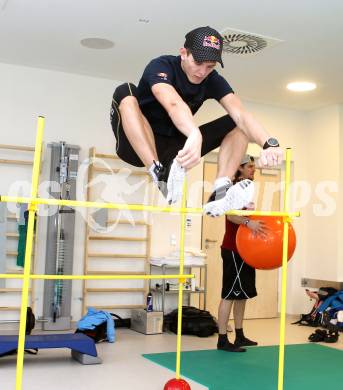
340 198
76 107
322 220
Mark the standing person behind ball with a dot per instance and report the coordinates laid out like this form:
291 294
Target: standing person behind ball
239 279
154 123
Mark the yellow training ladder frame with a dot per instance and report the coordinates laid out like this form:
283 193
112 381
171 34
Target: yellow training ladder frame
33 201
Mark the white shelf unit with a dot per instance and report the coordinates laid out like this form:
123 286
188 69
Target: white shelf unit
163 292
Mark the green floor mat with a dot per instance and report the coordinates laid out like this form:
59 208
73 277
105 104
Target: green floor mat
307 367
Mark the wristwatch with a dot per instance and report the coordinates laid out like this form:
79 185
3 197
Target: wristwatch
271 143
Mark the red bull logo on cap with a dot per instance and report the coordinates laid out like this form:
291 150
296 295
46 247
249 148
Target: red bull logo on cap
211 41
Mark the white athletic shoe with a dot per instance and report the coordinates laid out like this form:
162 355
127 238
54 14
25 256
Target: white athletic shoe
169 179
175 182
230 197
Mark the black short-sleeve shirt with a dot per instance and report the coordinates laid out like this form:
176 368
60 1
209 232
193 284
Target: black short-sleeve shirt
167 69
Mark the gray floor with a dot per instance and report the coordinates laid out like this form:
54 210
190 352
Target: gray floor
123 366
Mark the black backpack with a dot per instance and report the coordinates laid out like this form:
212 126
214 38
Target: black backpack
30 321
98 334
194 322
326 292
314 318
30 324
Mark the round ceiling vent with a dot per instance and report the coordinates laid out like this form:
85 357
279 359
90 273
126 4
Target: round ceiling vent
243 43
97 43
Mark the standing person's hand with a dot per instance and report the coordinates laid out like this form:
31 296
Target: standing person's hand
190 155
258 227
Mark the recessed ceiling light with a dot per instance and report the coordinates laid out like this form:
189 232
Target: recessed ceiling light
3 4
301 86
97 43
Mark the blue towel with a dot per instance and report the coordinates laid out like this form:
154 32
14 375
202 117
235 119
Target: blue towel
97 317
335 301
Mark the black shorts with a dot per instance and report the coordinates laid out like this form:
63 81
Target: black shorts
239 279
167 147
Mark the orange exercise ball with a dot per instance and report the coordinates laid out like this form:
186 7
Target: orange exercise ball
265 252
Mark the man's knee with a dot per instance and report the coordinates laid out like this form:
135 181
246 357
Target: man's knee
238 134
128 104
123 91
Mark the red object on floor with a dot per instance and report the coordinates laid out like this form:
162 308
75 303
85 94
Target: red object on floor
265 252
177 384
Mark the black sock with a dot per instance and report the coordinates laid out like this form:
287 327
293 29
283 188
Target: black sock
222 339
239 333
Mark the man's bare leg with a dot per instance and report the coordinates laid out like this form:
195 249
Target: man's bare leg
224 311
231 152
138 131
150 135
238 314
140 135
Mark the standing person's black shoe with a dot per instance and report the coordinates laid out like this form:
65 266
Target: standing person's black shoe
242 341
225 345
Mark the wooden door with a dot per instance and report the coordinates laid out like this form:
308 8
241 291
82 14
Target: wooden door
267 197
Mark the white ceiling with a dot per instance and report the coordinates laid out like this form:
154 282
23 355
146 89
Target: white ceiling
47 34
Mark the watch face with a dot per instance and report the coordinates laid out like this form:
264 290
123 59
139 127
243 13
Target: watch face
273 142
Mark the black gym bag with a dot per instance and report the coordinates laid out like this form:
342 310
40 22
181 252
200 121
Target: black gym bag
194 322
30 324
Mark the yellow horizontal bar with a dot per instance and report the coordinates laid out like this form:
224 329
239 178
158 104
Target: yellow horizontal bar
79 203
136 207
97 277
109 277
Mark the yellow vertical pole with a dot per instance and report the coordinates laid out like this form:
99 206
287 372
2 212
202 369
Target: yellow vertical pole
281 369
28 254
181 281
